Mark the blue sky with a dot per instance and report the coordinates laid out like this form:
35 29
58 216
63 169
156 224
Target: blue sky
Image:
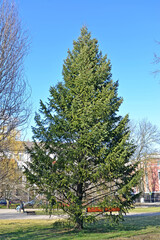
127 31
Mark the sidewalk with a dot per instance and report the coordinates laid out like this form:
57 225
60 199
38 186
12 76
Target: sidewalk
13 214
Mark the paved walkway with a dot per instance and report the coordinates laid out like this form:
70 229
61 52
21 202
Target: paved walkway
13 214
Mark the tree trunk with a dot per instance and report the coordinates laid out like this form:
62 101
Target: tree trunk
79 222
78 216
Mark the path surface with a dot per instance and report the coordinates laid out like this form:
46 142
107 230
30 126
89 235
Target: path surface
13 214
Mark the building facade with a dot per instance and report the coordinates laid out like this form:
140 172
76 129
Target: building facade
150 186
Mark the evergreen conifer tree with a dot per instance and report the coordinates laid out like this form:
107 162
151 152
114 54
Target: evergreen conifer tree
81 153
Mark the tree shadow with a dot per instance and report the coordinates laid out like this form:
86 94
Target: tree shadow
66 231
130 223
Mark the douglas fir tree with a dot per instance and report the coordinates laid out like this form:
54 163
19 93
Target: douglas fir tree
81 153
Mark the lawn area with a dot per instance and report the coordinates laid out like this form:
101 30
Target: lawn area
136 228
145 210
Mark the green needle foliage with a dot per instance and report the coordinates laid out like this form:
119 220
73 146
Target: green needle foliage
81 153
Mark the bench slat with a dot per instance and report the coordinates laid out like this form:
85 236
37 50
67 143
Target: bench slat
97 209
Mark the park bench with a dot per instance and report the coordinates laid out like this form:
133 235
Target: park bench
31 212
98 209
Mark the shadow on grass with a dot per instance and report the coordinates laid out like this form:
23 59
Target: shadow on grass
65 231
129 224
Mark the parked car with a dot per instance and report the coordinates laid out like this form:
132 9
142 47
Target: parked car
4 202
15 201
29 204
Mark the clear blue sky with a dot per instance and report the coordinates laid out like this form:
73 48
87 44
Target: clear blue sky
127 31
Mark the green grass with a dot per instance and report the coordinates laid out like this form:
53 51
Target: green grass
54 212
145 210
137 228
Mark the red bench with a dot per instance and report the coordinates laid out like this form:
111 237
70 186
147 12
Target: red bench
97 209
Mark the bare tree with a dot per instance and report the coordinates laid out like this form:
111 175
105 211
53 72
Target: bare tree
14 92
146 137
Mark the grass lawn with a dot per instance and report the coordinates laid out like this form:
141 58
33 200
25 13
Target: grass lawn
137 228
54 212
145 210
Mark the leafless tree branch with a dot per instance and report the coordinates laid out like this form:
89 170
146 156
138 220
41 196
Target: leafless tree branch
15 108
